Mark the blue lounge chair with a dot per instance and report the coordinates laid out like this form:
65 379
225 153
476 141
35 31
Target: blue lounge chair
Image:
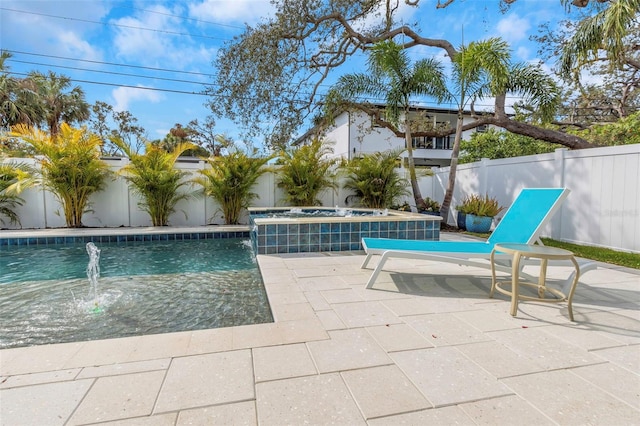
522 223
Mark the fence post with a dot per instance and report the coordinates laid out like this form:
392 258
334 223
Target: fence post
558 159
558 180
483 175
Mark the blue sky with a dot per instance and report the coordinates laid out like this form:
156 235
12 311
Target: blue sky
151 57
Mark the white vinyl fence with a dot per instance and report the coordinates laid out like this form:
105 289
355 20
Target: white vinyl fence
603 208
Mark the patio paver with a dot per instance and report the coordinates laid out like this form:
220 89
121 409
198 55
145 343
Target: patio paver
426 346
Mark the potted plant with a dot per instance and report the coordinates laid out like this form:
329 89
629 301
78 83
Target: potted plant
429 206
479 212
462 210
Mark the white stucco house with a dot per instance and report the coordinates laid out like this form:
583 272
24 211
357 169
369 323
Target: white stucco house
355 133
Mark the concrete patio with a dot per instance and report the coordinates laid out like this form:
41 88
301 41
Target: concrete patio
426 346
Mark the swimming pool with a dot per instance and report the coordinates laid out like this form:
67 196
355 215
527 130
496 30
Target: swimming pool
145 287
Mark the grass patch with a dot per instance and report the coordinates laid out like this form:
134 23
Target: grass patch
630 260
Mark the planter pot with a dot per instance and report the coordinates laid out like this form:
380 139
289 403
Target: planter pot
480 224
461 221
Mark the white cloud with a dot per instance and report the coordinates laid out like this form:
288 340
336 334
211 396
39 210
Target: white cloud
76 47
162 47
124 96
224 11
513 28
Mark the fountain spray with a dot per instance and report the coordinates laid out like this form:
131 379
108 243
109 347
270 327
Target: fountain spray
93 273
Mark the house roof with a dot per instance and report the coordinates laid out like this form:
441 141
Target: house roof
315 129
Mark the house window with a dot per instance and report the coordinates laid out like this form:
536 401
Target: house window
444 142
422 142
482 128
374 124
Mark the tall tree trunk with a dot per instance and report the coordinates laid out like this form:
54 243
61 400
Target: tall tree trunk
446 203
417 196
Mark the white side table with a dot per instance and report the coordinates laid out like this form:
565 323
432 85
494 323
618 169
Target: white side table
543 253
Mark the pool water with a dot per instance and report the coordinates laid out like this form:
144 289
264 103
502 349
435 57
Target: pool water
143 288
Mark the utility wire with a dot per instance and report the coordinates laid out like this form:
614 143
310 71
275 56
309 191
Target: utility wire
181 17
114 73
109 24
107 63
183 92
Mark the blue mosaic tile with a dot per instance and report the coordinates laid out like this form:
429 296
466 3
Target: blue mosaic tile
271 229
282 249
304 228
271 240
392 226
314 239
364 226
271 250
375 226
325 228
294 228
314 228
325 238
292 239
281 240
304 239
335 227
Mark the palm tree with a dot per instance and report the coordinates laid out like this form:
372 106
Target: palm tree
304 172
59 106
18 103
155 178
393 78
374 179
70 166
605 30
229 181
483 69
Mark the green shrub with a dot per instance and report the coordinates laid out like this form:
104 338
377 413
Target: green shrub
480 206
229 182
305 172
70 166
155 178
374 179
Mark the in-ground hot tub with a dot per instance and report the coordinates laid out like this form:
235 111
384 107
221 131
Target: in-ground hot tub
313 229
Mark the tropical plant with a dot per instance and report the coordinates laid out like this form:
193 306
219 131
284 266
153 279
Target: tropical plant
429 205
229 181
14 178
480 206
392 77
70 165
304 172
483 69
375 180
18 104
155 178
603 31
59 104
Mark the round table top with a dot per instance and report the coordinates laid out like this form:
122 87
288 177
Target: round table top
530 250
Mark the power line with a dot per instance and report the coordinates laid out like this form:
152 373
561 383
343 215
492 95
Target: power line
183 92
109 24
113 73
181 17
108 63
